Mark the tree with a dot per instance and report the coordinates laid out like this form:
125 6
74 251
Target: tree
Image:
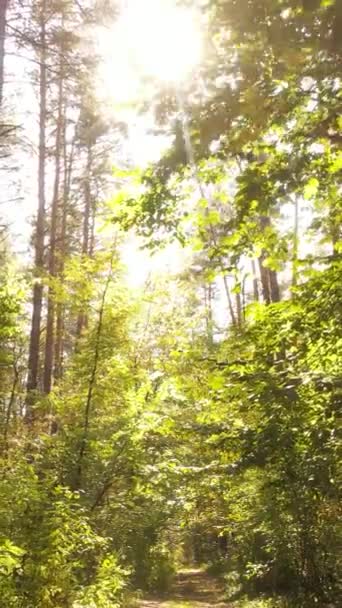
34 348
192 419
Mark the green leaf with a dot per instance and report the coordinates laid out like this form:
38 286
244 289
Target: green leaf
336 164
311 188
216 382
326 3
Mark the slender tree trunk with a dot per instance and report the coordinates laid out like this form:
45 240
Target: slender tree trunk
243 299
68 162
59 342
82 317
87 202
264 276
274 286
229 299
51 307
34 346
269 278
295 243
11 402
255 282
335 227
92 230
269 282
208 297
239 309
3 13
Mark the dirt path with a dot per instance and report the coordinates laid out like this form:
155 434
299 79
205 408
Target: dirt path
192 589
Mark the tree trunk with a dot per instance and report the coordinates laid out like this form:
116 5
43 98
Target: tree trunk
92 230
274 285
264 276
229 299
208 296
255 282
3 13
51 308
11 402
34 346
82 317
239 309
87 202
243 299
269 278
295 243
58 355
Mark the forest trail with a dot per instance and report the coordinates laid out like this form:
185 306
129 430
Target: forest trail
192 589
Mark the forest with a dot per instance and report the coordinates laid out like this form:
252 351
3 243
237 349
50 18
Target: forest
170 303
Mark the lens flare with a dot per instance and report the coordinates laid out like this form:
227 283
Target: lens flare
152 38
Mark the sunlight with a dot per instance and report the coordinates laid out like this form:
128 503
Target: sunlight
152 38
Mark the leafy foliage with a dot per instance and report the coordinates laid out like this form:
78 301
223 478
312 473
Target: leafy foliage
194 420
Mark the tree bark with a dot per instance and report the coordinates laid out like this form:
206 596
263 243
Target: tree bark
208 297
51 307
255 282
269 278
274 285
59 342
295 243
239 309
11 401
229 299
34 346
82 317
68 164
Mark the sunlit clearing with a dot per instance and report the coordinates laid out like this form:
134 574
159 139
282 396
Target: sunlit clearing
152 38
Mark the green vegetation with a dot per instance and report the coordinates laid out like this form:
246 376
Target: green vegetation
192 421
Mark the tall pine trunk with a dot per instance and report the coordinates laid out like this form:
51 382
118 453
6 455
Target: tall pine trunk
68 163
51 307
34 346
82 317
59 341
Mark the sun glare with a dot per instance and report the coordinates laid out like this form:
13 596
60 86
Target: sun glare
153 38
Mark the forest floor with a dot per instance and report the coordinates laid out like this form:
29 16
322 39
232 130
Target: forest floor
192 589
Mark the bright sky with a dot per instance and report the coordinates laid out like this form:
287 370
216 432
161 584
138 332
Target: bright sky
151 38
155 40
152 41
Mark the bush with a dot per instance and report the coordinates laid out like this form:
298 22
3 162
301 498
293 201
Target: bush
162 570
107 589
